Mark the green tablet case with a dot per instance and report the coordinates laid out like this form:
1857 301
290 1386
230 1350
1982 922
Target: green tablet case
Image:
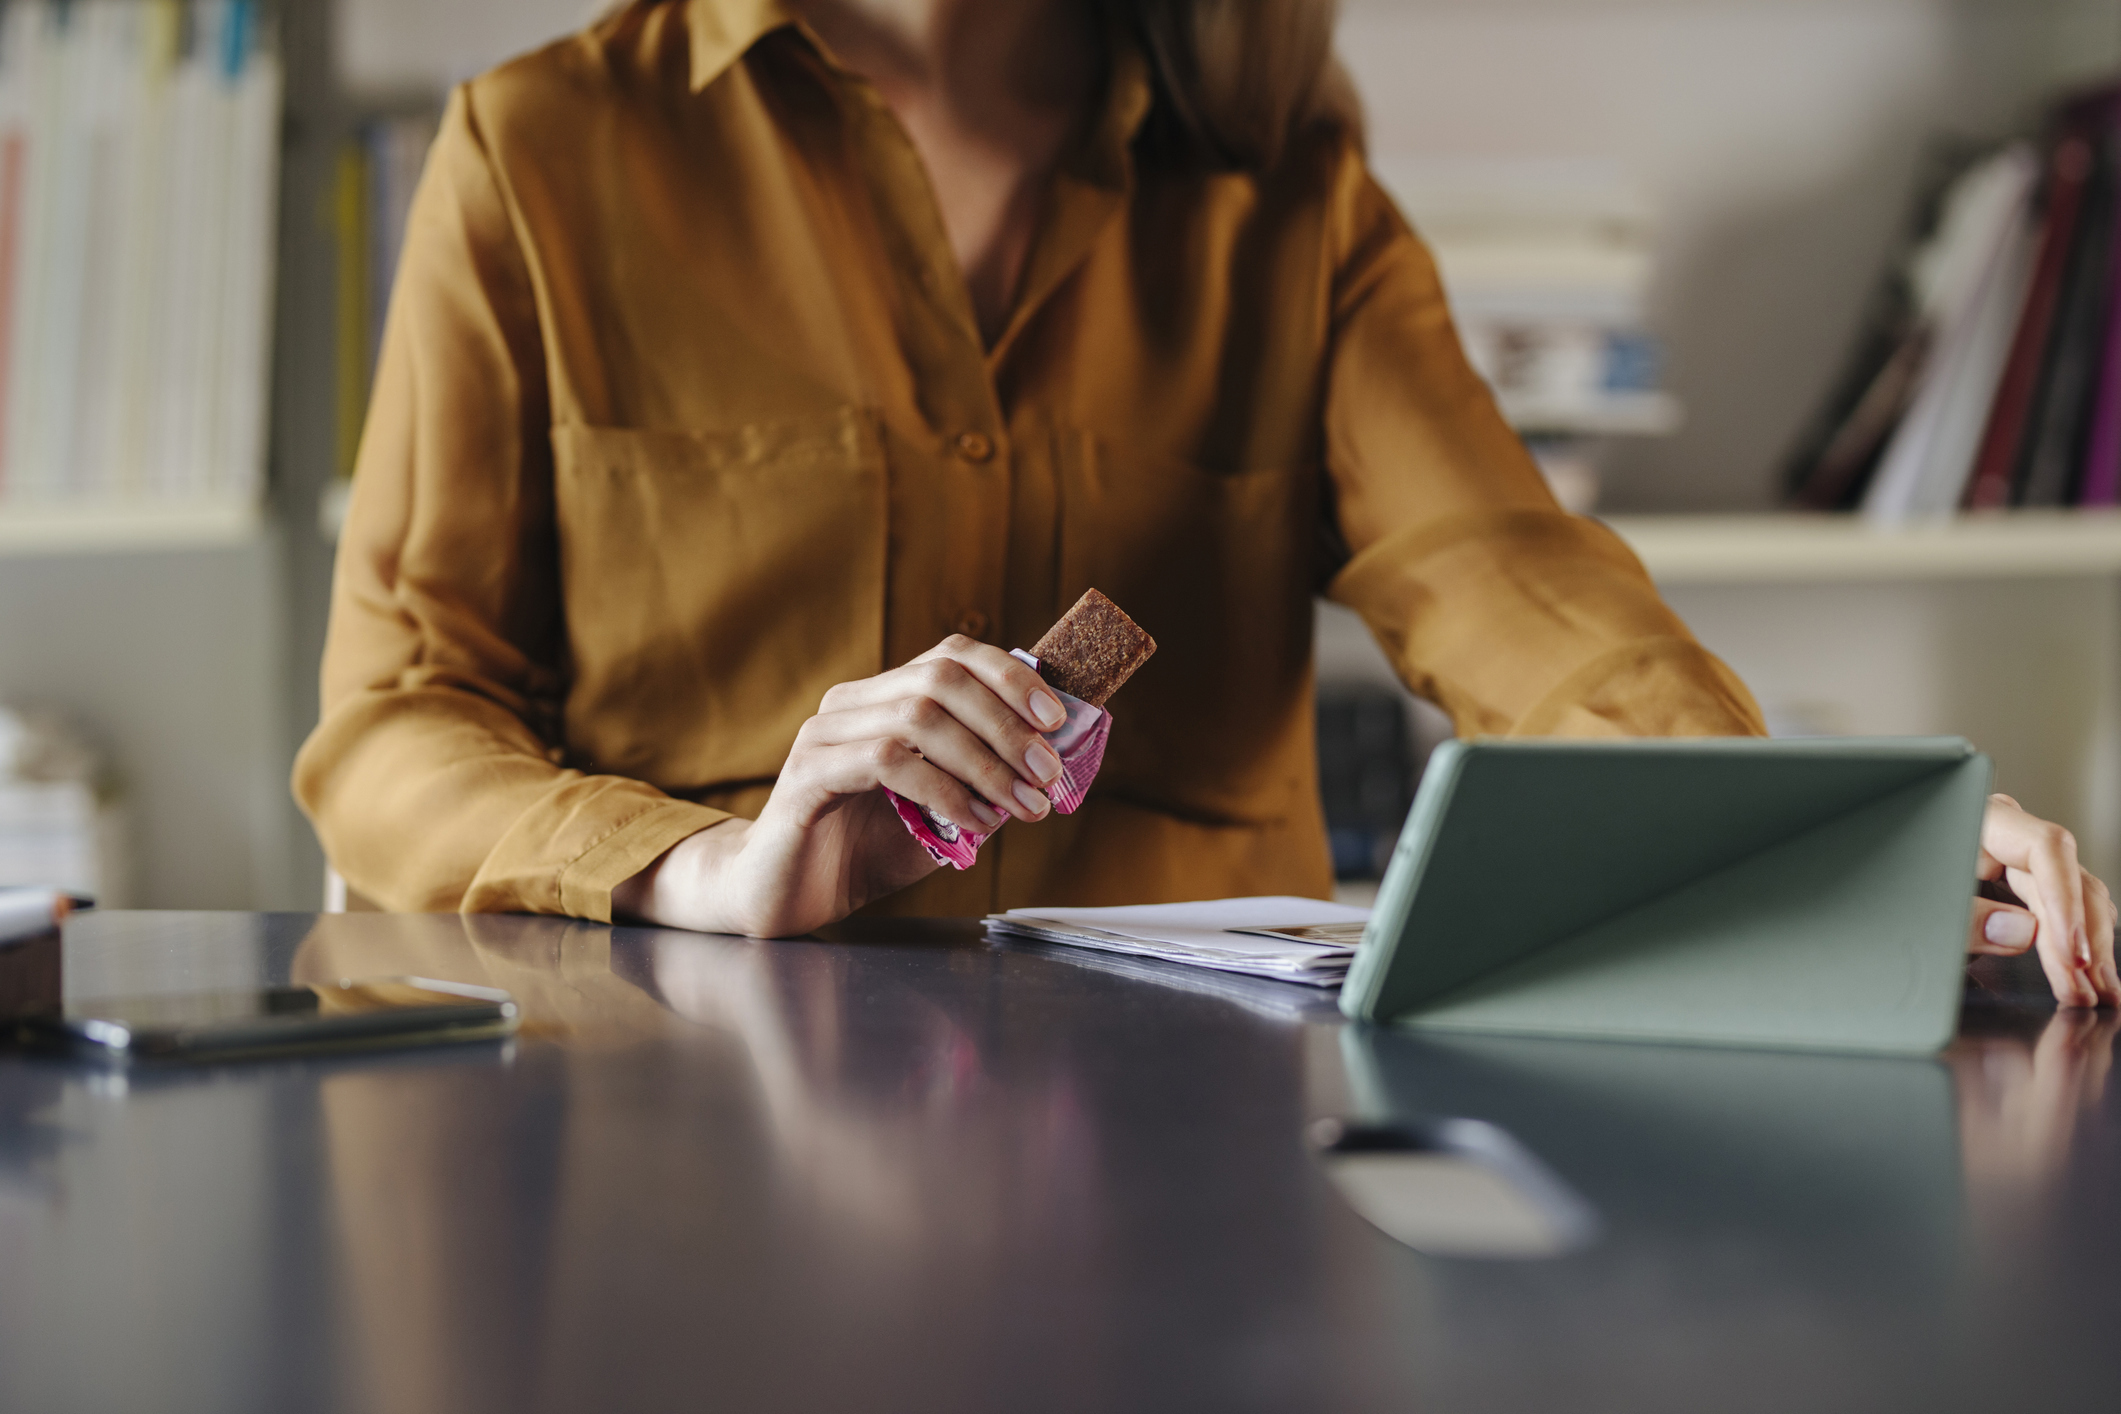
1812 894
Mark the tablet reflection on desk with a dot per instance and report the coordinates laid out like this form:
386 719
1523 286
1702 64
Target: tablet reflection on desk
1831 1182
1846 1165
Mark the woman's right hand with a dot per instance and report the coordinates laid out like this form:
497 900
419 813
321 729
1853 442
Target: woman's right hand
956 730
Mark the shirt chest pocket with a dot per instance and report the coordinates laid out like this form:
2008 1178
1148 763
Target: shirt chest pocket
715 585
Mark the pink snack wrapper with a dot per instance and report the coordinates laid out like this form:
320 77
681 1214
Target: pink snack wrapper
1080 744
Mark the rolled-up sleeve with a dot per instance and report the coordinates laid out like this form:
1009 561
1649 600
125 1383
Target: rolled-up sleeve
436 776
1512 615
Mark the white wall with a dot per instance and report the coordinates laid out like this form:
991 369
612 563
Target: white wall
391 46
174 663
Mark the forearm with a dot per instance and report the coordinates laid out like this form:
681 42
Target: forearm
1538 623
1490 601
686 885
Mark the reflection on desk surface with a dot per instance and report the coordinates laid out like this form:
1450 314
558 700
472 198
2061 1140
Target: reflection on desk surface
783 1108
1856 1140
900 1169
838 1127
1895 1208
1810 1165
2029 1088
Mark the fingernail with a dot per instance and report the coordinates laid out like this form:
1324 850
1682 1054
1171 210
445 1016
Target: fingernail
1031 800
1047 711
2084 949
1043 763
989 818
2007 929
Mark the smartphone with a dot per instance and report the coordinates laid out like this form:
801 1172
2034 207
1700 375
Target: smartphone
362 1013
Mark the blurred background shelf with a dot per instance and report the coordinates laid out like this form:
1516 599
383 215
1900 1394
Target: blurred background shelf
61 528
1798 548
331 509
1642 414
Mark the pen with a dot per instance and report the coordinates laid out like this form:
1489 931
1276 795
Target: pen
25 913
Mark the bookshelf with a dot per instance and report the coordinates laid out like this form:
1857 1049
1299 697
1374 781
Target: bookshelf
139 162
76 527
1797 548
1644 414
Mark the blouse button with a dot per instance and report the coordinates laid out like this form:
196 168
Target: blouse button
974 446
972 623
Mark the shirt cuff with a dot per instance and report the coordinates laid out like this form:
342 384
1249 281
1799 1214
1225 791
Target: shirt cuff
587 880
1654 687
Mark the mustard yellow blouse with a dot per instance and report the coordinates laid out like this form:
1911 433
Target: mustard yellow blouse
683 417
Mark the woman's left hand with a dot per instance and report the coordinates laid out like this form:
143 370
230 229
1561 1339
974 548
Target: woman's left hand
2067 914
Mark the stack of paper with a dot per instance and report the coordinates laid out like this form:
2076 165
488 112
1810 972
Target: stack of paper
1548 267
1269 997
1292 939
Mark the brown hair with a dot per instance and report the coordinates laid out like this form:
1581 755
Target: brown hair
1236 79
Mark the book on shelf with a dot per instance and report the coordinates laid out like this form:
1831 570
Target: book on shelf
2049 460
1989 371
2069 169
2099 483
139 161
2033 402
1840 447
1970 293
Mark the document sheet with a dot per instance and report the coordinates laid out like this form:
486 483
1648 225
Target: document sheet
1292 939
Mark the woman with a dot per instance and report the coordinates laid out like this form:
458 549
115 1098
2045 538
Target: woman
755 367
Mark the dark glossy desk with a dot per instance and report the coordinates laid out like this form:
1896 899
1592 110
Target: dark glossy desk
900 1170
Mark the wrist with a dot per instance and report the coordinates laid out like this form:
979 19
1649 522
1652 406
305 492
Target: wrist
683 887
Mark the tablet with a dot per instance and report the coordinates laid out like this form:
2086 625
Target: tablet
1810 893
